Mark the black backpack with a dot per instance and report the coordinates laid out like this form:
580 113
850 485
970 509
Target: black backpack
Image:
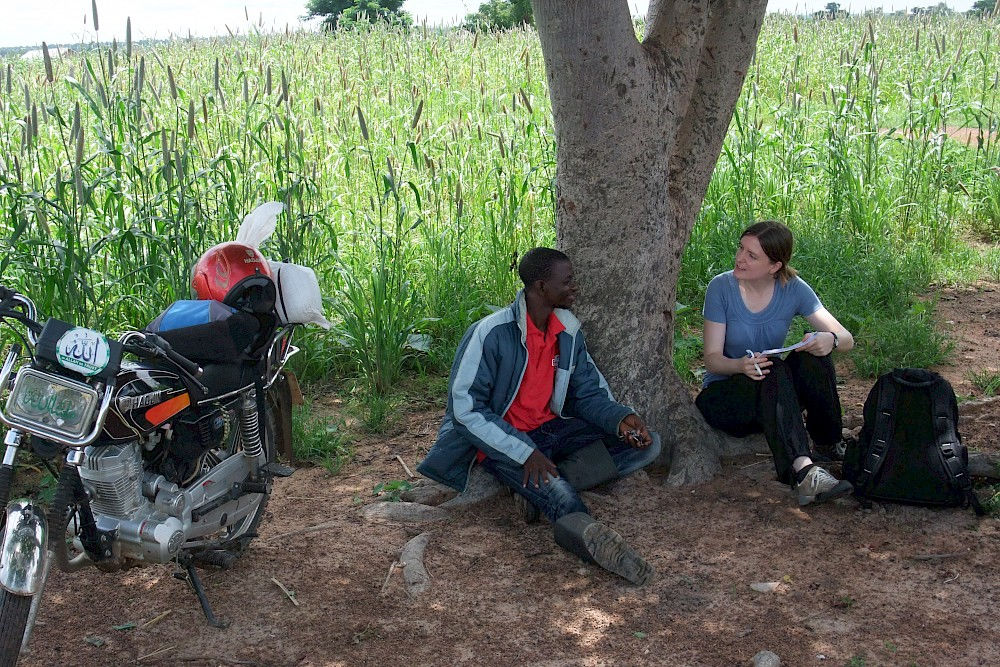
910 450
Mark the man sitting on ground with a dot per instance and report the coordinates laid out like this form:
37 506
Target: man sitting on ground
525 399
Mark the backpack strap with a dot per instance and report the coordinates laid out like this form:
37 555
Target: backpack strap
885 418
946 438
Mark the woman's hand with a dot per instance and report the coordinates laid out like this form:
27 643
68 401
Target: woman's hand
823 323
755 368
820 345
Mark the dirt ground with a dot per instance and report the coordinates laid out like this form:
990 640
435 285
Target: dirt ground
892 585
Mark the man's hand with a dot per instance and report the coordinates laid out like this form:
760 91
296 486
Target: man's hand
537 469
633 431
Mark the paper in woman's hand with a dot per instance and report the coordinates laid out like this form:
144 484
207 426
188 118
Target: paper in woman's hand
782 350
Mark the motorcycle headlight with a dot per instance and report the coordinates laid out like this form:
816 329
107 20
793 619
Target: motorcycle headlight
52 402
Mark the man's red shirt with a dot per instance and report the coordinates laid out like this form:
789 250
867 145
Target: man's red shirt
530 408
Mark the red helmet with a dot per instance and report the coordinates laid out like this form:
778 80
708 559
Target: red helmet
237 275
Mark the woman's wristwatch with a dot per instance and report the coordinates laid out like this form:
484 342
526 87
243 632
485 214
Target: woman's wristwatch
836 340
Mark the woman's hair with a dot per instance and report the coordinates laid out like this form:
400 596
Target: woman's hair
776 241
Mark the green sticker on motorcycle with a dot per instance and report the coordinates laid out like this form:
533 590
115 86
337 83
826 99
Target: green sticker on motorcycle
83 350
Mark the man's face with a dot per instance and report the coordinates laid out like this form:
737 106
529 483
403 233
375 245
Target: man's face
560 288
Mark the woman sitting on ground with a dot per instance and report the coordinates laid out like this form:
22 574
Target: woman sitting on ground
749 310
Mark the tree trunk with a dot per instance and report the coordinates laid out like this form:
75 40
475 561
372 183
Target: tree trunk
639 127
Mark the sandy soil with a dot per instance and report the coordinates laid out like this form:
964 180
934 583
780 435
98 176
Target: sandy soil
889 586
970 136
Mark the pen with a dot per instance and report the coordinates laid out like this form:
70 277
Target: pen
751 355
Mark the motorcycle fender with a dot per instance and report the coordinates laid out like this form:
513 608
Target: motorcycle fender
22 557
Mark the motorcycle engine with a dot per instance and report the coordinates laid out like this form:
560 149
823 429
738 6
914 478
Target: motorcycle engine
191 439
144 509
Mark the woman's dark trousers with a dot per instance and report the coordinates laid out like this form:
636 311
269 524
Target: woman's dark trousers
741 406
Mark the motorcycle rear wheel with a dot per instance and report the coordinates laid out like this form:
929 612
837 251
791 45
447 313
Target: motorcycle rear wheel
14 611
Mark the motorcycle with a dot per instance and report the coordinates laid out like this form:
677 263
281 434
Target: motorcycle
168 438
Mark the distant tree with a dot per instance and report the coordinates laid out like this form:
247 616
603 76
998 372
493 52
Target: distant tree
940 9
500 15
831 11
346 12
985 7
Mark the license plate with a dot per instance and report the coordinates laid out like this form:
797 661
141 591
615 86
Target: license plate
52 402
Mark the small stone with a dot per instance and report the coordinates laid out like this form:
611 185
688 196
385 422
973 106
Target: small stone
766 659
403 512
765 586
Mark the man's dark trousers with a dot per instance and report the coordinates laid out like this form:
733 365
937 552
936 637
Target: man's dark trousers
557 439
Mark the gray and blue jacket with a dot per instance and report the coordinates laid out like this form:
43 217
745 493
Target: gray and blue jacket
485 377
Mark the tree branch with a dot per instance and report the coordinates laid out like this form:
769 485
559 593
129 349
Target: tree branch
729 44
677 27
675 37
590 51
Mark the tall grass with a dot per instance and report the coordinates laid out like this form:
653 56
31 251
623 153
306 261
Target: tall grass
842 131
416 167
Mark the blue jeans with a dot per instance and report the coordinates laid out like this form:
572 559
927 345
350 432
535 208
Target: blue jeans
557 439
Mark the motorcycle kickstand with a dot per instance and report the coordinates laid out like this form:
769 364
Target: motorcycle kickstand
191 576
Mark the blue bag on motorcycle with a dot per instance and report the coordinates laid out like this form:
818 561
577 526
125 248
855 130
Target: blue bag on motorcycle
207 331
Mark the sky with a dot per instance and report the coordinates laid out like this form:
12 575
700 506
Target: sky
24 23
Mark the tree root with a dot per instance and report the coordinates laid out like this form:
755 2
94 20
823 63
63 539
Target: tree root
414 573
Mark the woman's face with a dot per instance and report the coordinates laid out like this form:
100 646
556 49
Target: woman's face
751 262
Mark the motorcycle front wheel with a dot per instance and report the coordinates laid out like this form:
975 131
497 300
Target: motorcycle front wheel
14 610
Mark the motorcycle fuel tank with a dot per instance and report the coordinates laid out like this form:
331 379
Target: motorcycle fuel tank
146 397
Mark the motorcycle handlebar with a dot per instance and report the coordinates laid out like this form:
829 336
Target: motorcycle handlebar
183 362
29 318
154 346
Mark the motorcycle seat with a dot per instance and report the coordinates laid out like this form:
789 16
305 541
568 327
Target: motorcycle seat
208 332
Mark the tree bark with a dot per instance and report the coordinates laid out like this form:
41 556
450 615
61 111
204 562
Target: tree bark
639 128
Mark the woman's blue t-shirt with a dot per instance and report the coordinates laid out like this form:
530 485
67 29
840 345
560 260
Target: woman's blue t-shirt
755 331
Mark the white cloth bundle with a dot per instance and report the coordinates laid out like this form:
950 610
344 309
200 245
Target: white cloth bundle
299 298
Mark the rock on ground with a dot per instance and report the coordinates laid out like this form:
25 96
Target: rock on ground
766 659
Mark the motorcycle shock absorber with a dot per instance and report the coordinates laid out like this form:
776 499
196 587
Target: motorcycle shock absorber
250 425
